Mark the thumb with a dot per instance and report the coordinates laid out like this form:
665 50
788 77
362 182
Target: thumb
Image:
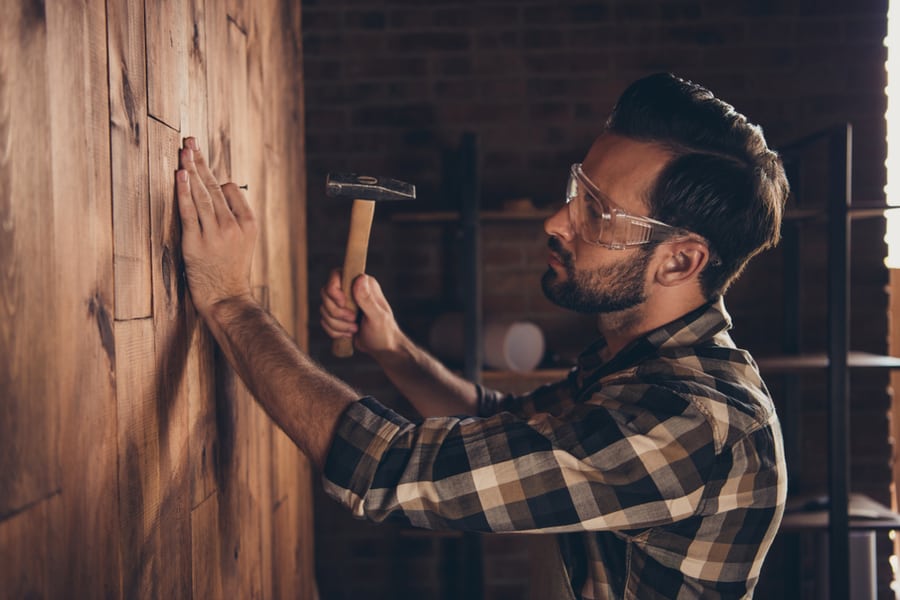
363 292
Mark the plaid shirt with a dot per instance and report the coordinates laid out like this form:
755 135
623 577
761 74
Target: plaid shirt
662 469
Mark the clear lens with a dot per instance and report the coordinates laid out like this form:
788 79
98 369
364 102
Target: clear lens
599 221
589 215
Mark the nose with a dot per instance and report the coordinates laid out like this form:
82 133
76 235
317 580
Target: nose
558 224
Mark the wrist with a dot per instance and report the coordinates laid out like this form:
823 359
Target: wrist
399 350
226 309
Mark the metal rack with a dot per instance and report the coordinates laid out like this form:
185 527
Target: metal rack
839 212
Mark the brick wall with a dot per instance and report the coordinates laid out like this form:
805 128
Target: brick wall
391 86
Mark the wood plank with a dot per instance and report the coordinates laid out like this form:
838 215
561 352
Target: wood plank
230 453
173 325
244 468
128 145
203 435
194 119
206 557
284 188
294 148
201 372
166 68
87 530
29 411
26 551
140 492
260 505
293 547
219 62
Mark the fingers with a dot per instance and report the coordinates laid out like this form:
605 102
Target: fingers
333 291
190 222
336 319
215 193
201 198
237 204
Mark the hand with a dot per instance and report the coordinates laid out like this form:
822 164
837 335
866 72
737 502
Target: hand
377 331
218 232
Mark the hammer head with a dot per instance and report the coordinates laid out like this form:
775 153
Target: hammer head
365 187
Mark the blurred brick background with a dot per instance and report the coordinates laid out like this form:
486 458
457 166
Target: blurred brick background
391 86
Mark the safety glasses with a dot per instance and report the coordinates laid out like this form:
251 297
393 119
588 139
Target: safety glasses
599 221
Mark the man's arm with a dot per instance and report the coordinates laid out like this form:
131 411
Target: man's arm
218 234
431 388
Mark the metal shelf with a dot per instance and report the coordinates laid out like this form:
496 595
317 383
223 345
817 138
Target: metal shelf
805 362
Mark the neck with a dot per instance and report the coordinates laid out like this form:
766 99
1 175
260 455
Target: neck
625 326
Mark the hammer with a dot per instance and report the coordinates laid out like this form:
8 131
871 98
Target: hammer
365 191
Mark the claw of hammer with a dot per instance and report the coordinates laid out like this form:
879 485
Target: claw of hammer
365 190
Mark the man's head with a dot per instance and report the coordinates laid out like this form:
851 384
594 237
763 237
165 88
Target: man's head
700 182
723 181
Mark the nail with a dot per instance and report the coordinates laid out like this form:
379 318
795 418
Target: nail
182 175
193 143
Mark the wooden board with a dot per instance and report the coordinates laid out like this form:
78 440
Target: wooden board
285 264
206 556
203 436
194 121
166 71
32 568
293 529
139 478
128 149
173 325
29 415
84 337
238 459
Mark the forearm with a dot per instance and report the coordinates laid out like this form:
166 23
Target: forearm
431 388
302 398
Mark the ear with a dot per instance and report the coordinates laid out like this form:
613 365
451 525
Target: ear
682 262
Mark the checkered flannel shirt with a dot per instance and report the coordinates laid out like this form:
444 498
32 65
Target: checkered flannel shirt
662 469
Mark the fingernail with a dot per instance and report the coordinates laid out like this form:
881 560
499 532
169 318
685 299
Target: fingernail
182 175
193 143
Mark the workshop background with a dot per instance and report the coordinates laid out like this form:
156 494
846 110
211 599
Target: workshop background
392 86
133 463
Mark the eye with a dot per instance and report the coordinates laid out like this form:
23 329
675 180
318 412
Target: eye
594 209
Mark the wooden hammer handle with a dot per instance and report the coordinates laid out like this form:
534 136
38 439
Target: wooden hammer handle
354 263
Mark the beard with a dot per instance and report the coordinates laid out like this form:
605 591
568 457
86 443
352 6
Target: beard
603 290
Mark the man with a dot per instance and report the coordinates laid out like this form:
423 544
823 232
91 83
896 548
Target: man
658 461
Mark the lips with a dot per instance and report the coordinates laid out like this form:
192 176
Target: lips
558 257
554 260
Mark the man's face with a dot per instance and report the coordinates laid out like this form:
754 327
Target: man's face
593 279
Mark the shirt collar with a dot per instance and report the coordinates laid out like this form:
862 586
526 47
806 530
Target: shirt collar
697 327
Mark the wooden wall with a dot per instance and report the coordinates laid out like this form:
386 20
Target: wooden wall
132 462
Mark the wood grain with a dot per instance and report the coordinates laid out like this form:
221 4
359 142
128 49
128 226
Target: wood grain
206 556
132 462
194 120
140 492
166 71
219 55
32 569
84 338
29 413
128 149
173 326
